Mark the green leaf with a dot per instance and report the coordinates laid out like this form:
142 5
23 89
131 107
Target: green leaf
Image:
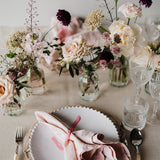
122 59
71 71
37 71
25 85
76 69
58 49
11 55
61 44
47 52
56 39
61 70
55 45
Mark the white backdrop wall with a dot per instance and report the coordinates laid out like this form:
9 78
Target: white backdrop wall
13 13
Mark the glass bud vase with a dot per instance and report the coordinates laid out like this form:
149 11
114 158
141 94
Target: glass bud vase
119 75
37 81
88 86
13 108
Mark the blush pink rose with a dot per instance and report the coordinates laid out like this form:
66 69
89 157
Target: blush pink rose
7 90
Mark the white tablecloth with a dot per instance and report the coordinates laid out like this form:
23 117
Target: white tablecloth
62 91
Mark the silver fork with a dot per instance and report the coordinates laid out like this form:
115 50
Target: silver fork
18 139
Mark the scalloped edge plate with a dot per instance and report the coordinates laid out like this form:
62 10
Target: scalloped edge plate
42 147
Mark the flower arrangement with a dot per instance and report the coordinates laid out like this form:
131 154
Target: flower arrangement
13 84
121 39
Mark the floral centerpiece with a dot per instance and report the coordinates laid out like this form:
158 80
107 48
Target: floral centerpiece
13 85
24 47
121 39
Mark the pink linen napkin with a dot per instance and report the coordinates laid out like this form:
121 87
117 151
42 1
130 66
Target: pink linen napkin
83 145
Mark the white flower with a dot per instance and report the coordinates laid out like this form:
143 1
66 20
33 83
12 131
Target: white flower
131 36
74 50
126 34
142 55
130 10
7 90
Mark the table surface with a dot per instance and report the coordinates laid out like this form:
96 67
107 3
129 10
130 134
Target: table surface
62 91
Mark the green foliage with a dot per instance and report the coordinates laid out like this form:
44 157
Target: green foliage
155 47
122 59
11 55
46 52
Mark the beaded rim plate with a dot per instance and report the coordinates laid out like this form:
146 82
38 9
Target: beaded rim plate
42 147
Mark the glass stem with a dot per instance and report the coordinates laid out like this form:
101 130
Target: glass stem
138 91
155 108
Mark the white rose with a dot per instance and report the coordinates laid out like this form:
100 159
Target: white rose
74 50
126 35
130 10
7 90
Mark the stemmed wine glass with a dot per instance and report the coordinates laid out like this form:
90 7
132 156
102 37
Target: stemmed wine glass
152 27
140 73
154 88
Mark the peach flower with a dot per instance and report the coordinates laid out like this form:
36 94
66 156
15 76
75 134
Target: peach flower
7 90
75 50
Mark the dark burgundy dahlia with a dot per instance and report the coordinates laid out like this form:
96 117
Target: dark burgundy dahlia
147 3
64 16
106 55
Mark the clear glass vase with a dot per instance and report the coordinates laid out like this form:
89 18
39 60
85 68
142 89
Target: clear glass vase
88 86
37 81
13 109
119 76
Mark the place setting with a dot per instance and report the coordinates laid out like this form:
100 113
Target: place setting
108 57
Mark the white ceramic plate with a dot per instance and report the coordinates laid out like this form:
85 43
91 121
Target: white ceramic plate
43 148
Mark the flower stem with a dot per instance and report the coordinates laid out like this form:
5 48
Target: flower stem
116 9
128 21
49 31
135 20
104 29
108 10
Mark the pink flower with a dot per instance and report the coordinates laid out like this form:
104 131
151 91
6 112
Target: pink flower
107 39
102 64
106 36
33 46
115 49
117 63
63 34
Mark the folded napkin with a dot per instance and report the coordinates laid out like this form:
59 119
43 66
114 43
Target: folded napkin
83 145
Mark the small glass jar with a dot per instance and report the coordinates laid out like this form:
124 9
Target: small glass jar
119 76
13 108
37 81
88 86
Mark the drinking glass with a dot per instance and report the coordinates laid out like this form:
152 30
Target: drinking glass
134 114
154 88
140 73
152 27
